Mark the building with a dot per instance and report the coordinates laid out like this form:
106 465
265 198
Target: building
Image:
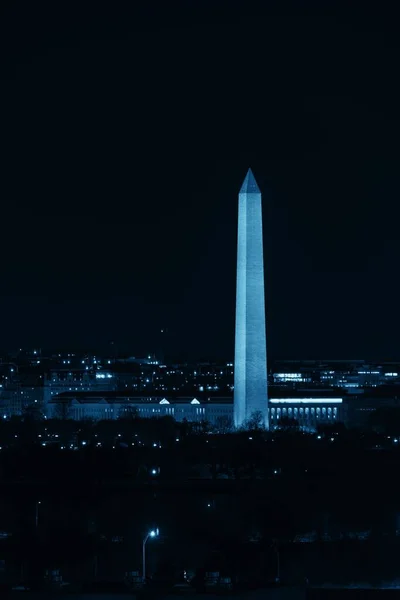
79 379
10 401
110 405
364 408
308 411
351 375
250 370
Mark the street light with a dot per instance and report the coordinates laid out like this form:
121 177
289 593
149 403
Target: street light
278 562
37 513
153 533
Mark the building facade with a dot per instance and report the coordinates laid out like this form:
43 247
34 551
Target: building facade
307 412
115 405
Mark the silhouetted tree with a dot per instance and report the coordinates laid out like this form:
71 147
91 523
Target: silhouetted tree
255 422
288 423
62 410
223 424
328 429
84 431
386 420
128 412
32 412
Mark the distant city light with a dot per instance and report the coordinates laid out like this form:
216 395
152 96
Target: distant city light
368 372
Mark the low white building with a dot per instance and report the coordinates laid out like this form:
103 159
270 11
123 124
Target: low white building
112 405
308 412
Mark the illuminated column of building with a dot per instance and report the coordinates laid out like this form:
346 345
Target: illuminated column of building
250 378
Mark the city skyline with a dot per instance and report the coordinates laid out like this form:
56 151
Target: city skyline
111 235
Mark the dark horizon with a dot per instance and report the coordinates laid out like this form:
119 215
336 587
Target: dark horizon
127 137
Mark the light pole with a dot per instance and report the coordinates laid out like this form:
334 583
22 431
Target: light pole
278 564
37 513
151 534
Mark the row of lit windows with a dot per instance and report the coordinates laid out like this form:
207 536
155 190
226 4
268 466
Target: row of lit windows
330 413
200 411
61 390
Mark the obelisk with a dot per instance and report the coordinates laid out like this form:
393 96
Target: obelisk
250 369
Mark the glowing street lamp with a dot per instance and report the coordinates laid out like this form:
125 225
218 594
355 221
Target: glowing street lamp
153 533
37 513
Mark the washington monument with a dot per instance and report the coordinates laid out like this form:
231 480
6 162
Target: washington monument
250 391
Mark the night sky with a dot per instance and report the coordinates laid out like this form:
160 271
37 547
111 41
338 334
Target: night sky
126 136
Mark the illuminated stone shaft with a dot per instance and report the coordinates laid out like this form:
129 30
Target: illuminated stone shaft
250 391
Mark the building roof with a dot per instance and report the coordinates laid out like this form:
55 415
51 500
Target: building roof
112 396
277 391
